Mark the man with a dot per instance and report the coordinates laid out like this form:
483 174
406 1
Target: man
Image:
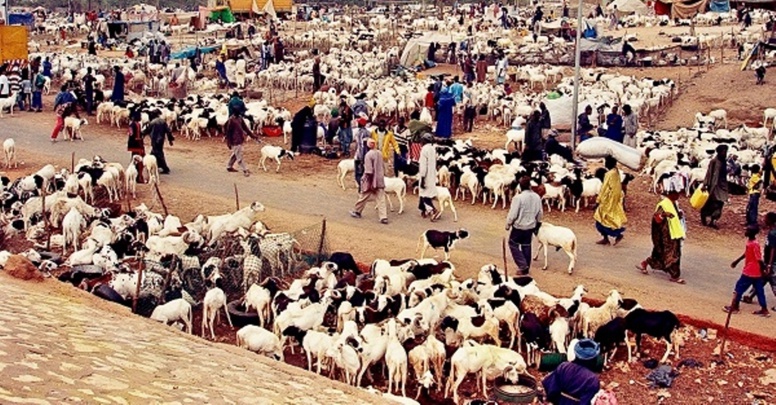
482 69
89 90
372 183
533 139
614 126
583 124
14 80
386 143
47 67
152 51
118 85
92 47
716 184
614 18
221 69
769 258
234 135
317 77
630 122
158 130
545 121
523 220
346 128
236 105
428 176
37 91
361 149
574 382
64 105
179 82
501 69
456 89
5 86
468 70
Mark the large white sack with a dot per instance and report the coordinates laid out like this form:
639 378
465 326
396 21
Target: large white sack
599 147
560 110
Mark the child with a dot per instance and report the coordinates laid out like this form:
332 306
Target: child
751 274
770 257
755 182
26 95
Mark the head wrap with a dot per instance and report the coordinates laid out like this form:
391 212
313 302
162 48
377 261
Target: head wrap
586 349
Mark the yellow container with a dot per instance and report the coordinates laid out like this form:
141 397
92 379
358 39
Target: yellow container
699 198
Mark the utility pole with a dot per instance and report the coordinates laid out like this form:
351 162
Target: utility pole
575 102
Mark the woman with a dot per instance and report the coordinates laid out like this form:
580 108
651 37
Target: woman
610 215
444 117
717 186
667 235
482 69
135 143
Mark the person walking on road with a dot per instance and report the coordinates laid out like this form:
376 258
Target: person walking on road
428 177
64 106
361 149
235 131
89 80
716 184
752 274
667 235
158 130
386 143
372 183
523 220
610 215
769 258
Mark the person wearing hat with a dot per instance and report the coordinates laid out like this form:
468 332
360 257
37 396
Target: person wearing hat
667 235
345 128
428 177
118 85
372 183
360 108
333 128
236 105
574 382
583 124
361 149
717 186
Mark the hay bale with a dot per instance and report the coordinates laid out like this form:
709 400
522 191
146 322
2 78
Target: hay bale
22 268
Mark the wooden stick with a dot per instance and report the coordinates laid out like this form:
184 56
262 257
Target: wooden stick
139 283
504 256
72 162
46 221
727 324
236 197
161 200
320 243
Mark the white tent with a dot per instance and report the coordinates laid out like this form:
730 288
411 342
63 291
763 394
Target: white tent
416 48
629 6
269 8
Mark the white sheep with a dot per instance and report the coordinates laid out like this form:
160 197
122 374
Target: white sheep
130 178
395 185
275 153
769 114
719 115
595 317
344 167
259 298
396 360
516 136
8 103
559 237
553 192
346 358
73 128
9 150
150 164
173 311
72 225
487 360
259 340
444 198
215 299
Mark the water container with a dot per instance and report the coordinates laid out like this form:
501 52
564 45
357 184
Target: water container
309 137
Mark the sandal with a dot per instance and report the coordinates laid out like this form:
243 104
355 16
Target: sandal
643 267
677 280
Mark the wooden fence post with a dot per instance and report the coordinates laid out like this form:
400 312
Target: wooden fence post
727 324
504 256
236 197
72 162
161 200
139 282
320 243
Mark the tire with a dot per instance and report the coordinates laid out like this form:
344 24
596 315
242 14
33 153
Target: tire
239 317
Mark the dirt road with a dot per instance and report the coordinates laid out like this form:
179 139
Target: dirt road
73 347
298 200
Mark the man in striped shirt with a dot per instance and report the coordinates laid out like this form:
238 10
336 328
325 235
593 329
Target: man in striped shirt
14 79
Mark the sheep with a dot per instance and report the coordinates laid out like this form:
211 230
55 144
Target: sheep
173 311
444 198
314 343
419 360
150 164
259 297
306 318
769 114
395 185
214 300
373 349
609 336
552 192
559 237
8 103
465 326
218 225
9 150
259 340
719 115
346 358
659 324
559 332
595 317
73 128
488 360
130 180
72 225
344 167
440 240
275 153
395 359
535 334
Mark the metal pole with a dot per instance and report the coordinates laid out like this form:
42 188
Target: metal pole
575 102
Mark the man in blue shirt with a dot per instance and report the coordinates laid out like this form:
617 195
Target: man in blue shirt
457 90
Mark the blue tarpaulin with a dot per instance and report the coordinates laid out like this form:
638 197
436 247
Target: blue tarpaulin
21 19
719 6
189 52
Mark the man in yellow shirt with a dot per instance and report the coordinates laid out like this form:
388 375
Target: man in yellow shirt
755 183
386 143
